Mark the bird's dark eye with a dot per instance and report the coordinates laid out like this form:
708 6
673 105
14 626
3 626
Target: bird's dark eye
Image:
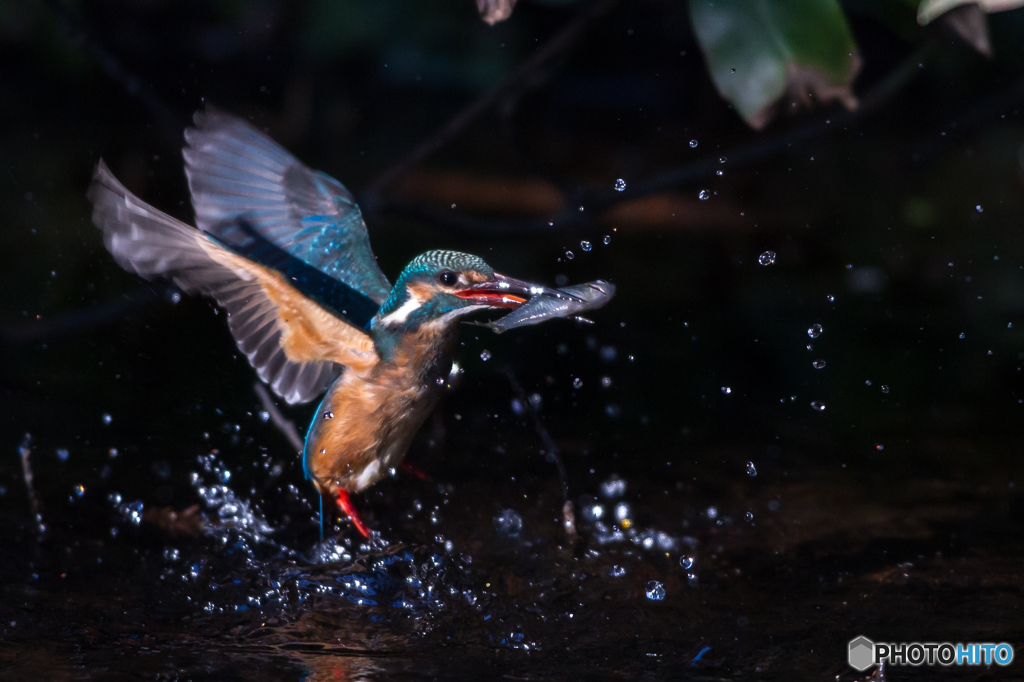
448 278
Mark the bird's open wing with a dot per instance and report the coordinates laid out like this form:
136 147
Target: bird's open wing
295 345
240 177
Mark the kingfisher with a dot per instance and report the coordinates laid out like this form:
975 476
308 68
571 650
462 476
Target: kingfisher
284 250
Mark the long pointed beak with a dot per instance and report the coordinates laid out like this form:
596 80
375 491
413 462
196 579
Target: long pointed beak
501 292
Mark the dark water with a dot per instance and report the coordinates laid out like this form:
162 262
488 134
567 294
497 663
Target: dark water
179 540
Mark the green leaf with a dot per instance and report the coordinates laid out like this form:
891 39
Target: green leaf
760 50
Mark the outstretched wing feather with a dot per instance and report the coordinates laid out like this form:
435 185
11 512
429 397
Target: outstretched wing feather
241 178
295 345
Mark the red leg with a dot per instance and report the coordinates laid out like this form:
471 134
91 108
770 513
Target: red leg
411 468
345 502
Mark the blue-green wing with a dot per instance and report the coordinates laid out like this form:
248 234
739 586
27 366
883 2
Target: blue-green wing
262 202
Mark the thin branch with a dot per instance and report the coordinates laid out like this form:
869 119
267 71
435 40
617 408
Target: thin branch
551 453
758 150
283 424
25 452
78 321
560 41
170 122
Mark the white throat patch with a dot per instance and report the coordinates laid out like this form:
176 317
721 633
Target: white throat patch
400 314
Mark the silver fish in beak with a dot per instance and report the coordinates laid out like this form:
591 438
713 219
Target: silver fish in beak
545 303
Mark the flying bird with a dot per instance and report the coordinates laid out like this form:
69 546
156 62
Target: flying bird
285 251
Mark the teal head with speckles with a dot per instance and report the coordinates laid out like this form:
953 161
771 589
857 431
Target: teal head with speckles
438 287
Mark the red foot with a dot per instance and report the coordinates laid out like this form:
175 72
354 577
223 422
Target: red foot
411 468
345 502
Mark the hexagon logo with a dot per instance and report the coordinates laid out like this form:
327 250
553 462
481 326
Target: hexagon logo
861 653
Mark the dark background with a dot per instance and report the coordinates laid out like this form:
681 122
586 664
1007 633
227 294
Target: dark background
906 212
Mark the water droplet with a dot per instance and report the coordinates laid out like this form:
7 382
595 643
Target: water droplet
831 298
322 451
620 185
749 516
585 245
613 487
766 258
867 382
726 390
453 205
818 364
751 469
686 562
885 389
509 522
175 297
607 239
978 208
810 346
577 383
622 511
570 255
328 414
722 159
712 512
606 381
79 490
264 416
536 400
704 195
655 591
439 381
817 406
732 70
962 335
719 173
485 355
814 331
618 571
63 454
693 144
107 419
581 208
